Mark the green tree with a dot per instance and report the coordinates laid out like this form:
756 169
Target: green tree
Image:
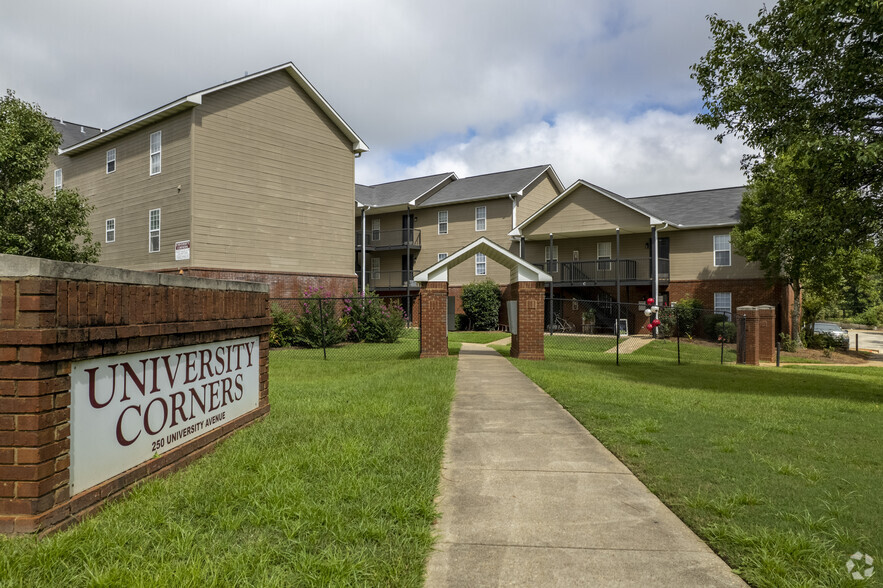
801 88
481 304
31 223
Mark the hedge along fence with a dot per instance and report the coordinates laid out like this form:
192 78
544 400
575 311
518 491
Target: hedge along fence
317 320
108 377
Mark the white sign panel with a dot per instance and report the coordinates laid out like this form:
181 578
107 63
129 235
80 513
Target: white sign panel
127 409
182 250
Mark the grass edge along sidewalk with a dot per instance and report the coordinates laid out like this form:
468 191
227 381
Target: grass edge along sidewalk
335 486
778 470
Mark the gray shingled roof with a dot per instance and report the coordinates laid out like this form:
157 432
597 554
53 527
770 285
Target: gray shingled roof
73 133
398 193
695 209
486 186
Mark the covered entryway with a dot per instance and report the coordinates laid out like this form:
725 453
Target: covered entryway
527 287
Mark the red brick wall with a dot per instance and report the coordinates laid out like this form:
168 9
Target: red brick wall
45 324
528 343
433 319
282 284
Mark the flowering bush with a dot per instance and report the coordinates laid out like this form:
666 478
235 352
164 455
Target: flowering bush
369 319
319 323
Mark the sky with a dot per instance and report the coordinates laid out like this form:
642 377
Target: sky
600 89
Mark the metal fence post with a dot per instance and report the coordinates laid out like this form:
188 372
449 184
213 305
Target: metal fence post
722 350
322 326
618 314
678 333
778 352
856 341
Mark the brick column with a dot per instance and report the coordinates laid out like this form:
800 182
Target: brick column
528 343
766 333
434 319
751 339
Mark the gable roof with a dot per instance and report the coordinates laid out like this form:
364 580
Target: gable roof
400 192
494 185
195 99
700 208
519 269
72 133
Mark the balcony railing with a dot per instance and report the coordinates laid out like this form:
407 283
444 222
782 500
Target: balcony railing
391 239
389 279
604 272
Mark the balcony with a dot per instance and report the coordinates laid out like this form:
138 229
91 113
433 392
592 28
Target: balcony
603 273
394 280
389 240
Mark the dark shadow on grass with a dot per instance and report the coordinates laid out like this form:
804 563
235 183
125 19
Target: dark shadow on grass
729 378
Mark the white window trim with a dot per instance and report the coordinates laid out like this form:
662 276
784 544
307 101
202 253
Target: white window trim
575 255
110 158
480 260
604 263
57 181
482 218
110 230
375 268
158 153
550 260
718 309
375 229
440 213
442 256
729 251
150 230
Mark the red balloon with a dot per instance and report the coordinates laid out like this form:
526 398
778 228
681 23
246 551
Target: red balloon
650 301
650 327
656 322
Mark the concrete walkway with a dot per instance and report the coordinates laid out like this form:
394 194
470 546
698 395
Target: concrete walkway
530 498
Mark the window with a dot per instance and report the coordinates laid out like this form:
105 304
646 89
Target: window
58 179
721 250
480 218
375 230
442 222
575 255
723 303
552 261
442 256
480 264
111 161
155 153
604 254
153 227
110 230
375 268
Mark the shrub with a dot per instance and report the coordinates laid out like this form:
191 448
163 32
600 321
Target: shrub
461 323
710 323
787 343
319 323
873 317
725 331
481 303
684 313
368 319
283 329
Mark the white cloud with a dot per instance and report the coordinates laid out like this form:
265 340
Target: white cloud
654 153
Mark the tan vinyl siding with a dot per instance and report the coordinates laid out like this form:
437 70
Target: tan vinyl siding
585 210
130 192
461 232
535 198
273 182
692 257
630 247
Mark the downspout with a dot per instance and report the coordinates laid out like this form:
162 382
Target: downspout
551 285
408 262
655 246
364 256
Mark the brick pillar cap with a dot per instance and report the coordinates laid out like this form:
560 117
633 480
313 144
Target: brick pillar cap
747 308
765 307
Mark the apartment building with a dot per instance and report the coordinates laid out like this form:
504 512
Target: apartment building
252 179
597 245
411 224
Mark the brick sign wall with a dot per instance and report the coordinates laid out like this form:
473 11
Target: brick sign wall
176 360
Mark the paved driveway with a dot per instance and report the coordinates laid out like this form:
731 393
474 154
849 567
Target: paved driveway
867 340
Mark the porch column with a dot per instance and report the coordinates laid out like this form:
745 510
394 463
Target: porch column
527 343
434 320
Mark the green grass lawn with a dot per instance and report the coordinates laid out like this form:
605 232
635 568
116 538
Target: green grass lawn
780 470
334 487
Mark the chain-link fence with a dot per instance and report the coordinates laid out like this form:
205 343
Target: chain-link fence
627 333
348 328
